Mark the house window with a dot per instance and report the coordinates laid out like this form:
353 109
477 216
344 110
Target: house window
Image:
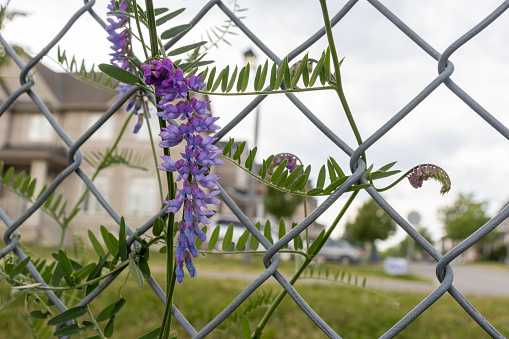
90 203
39 129
105 132
142 197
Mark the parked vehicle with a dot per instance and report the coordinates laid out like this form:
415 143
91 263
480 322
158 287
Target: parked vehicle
339 250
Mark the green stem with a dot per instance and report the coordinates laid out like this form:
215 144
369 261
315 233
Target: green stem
92 319
282 294
139 29
154 154
339 87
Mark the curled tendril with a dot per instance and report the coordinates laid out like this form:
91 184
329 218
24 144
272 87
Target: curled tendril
292 161
420 173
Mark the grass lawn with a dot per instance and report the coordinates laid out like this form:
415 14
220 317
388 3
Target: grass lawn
353 312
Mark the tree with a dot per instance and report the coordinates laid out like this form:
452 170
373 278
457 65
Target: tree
370 224
401 249
463 217
281 204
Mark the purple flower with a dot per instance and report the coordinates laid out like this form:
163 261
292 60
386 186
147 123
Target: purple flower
424 172
200 106
194 83
199 155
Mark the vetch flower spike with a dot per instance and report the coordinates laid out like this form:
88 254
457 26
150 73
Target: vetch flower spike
421 173
199 156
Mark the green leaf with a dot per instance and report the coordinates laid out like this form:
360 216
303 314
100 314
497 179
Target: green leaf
174 31
57 276
263 76
159 11
136 273
291 178
245 79
250 159
321 177
326 63
316 71
110 310
210 81
287 75
337 168
95 243
253 243
152 334
224 80
241 243
315 191
31 188
1 168
158 227
267 232
227 238
24 187
387 167
107 240
282 230
281 72
282 178
168 17
83 272
68 315
376 176
300 183
238 151
121 75
68 330
299 71
315 243
18 180
218 81
213 239
110 327
8 175
257 78
232 80
65 265
246 332
279 170
19 267
335 184
241 79
358 187
143 265
297 241
273 76
332 172
39 314
122 246
187 48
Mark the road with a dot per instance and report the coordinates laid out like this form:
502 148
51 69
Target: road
468 279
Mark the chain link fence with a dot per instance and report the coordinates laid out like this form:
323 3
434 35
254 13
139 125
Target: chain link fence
444 271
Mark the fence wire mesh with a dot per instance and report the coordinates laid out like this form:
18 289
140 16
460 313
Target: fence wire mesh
444 271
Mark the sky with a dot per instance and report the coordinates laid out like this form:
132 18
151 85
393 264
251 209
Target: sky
383 70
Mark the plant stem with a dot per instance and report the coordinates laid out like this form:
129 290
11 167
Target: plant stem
139 29
339 87
282 294
154 155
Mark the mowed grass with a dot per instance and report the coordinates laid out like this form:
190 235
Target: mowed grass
353 312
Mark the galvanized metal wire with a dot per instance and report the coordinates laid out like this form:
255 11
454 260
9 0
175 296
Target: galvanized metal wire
444 272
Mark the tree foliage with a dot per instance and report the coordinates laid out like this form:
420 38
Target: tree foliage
463 217
370 224
281 204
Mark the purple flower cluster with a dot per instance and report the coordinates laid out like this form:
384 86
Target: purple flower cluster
120 37
200 154
424 172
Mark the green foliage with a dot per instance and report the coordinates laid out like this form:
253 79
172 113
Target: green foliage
90 75
279 75
371 223
281 179
463 217
401 249
281 204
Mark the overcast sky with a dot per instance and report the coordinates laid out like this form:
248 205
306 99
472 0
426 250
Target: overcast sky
383 70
